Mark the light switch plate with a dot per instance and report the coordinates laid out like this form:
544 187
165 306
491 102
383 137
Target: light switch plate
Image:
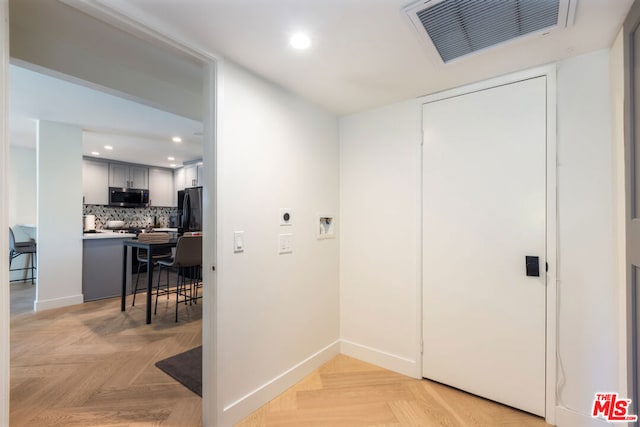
286 216
238 241
285 243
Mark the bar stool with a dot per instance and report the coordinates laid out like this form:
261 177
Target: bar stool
22 248
188 259
143 257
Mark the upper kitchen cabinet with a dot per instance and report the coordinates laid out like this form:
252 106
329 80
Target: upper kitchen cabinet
118 175
139 177
161 191
178 183
95 182
126 176
193 174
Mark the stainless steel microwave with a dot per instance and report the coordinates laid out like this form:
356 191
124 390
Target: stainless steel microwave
128 197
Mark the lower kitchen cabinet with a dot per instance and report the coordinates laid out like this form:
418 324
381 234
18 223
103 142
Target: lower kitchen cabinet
102 268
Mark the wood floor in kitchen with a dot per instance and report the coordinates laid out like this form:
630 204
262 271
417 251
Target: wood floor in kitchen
91 365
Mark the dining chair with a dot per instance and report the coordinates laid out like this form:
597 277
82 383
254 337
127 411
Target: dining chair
186 261
22 248
143 256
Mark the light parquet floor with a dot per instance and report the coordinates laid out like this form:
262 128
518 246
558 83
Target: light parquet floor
346 392
92 365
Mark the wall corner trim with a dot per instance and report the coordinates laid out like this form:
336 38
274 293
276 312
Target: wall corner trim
381 358
241 408
568 418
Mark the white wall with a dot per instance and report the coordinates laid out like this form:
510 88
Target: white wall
587 274
278 315
22 185
380 187
617 110
379 246
59 153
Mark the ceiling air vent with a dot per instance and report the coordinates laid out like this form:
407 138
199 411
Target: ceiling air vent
458 28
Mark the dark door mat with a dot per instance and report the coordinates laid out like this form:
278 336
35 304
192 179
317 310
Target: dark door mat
186 368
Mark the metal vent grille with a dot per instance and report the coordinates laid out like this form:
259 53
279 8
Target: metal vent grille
461 27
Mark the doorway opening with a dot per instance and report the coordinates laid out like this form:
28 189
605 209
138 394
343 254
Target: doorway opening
208 92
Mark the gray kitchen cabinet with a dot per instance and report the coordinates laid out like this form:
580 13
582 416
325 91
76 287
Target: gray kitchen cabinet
102 268
139 177
200 170
178 183
190 175
95 182
193 174
118 175
126 176
161 190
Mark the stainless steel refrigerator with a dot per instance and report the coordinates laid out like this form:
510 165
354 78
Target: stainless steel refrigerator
190 209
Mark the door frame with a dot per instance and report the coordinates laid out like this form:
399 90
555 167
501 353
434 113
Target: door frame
212 94
631 224
549 72
4 214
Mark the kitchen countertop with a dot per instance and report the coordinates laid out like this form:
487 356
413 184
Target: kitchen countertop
168 230
107 235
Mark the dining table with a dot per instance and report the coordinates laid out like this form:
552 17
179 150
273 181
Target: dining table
151 249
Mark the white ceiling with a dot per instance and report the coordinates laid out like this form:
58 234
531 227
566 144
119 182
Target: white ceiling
365 53
137 133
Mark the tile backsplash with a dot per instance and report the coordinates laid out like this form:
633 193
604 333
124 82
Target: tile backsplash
132 217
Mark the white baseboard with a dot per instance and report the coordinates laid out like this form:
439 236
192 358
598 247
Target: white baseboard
568 418
380 358
244 406
48 304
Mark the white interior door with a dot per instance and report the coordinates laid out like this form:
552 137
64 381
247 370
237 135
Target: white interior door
484 186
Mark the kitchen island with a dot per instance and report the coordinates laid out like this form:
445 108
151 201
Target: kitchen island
102 265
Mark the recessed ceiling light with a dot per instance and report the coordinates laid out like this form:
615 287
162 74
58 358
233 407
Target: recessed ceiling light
173 165
171 158
176 139
108 147
95 153
300 41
